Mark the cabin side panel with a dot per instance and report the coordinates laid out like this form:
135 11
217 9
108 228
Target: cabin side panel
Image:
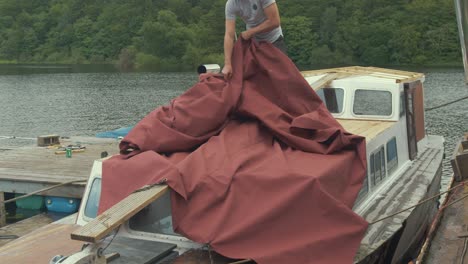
419 110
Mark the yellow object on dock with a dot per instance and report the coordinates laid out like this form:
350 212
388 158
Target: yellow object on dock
73 150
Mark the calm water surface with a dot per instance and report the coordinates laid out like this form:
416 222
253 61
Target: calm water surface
71 104
72 100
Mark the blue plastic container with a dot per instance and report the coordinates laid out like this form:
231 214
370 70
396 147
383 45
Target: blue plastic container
35 202
62 204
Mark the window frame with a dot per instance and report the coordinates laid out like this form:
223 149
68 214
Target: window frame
343 101
392 169
90 195
377 159
353 103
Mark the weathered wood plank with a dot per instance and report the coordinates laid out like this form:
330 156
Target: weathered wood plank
325 80
41 245
23 227
399 76
102 225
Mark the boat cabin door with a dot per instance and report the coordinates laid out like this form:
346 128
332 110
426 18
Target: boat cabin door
410 120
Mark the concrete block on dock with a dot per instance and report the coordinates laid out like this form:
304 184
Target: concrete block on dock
48 140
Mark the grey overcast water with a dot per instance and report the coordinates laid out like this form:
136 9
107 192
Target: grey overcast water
71 101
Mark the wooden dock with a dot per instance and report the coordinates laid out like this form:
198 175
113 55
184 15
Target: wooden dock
13 231
30 168
450 242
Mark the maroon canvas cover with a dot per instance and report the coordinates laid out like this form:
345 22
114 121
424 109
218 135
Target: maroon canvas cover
260 169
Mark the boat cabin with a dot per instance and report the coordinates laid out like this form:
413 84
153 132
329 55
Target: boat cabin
384 106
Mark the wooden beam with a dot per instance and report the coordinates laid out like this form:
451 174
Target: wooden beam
105 223
325 80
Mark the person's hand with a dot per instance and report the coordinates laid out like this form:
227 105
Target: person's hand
203 76
246 35
227 72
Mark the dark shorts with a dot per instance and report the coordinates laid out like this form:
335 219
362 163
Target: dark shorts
280 44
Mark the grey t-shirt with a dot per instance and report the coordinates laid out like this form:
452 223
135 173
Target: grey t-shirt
251 12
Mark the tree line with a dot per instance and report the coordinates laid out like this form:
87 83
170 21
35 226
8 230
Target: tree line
180 34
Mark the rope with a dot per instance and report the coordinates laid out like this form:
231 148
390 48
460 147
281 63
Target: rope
424 201
42 190
434 225
462 258
442 105
456 201
112 239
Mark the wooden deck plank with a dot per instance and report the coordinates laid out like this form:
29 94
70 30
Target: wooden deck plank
24 227
30 165
41 245
102 225
366 128
447 246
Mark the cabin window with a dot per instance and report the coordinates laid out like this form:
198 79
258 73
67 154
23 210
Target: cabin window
333 99
364 189
383 172
372 102
372 169
377 166
92 204
379 163
392 155
155 218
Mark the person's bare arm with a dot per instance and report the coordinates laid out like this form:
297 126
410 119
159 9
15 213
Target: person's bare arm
272 22
229 36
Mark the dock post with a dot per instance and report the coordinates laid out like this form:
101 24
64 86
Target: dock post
2 210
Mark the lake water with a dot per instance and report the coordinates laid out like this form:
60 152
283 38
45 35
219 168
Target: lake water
85 100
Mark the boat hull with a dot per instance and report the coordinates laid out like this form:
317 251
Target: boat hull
400 238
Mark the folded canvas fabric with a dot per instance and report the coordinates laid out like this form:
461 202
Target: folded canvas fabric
258 166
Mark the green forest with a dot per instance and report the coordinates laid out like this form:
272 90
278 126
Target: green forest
180 34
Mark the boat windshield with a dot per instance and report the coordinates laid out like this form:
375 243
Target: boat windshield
92 204
332 98
155 218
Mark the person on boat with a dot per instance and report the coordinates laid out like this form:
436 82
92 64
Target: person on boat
262 21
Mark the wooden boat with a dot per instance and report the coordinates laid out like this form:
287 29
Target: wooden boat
404 168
